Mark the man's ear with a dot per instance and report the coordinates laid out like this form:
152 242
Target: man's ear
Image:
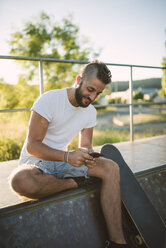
78 79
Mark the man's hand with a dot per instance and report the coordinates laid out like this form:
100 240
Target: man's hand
81 157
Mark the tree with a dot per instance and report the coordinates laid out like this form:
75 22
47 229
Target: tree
8 96
138 95
28 94
42 37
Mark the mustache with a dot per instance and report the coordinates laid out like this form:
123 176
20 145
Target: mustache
89 98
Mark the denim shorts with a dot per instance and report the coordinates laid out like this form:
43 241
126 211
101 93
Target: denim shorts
58 168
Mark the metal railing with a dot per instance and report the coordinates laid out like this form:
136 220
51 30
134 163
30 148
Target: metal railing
41 82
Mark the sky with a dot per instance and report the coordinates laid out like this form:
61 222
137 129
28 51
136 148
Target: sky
126 31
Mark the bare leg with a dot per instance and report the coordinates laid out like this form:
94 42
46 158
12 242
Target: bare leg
108 171
28 181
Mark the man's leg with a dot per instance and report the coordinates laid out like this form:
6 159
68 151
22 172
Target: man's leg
108 171
31 182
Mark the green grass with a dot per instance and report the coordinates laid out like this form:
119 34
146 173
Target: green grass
148 118
102 137
14 128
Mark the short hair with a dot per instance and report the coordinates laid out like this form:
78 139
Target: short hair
101 70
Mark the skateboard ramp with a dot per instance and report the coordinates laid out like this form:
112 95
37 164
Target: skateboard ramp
153 182
73 218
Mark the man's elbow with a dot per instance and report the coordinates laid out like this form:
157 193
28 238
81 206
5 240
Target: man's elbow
30 147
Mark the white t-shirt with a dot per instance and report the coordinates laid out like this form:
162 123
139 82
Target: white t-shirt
65 120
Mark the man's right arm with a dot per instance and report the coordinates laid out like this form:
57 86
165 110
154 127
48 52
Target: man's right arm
37 130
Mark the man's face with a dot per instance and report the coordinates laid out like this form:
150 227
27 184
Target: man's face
88 90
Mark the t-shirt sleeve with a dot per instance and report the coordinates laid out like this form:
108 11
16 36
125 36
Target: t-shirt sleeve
92 119
43 106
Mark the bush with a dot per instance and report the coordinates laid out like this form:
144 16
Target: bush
10 149
115 100
138 95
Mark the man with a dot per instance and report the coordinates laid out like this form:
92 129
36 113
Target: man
45 164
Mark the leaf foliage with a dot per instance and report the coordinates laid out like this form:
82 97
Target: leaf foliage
43 37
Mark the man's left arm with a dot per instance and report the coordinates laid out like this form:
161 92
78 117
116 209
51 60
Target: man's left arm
85 139
85 142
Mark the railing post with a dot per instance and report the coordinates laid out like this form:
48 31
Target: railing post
131 105
41 77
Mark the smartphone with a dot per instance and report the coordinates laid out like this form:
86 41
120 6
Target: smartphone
96 154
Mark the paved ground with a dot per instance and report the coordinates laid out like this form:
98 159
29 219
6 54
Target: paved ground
139 155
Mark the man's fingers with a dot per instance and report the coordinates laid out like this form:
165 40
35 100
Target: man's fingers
81 157
90 163
88 157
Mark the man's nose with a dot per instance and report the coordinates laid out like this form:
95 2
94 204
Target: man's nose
93 96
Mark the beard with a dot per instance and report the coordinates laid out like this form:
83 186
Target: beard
79 97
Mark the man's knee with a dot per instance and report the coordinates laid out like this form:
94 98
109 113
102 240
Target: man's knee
105 169
22 182
110 169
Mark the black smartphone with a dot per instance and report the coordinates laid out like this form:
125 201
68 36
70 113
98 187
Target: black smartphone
95 154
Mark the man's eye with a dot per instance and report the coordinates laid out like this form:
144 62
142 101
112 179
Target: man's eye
90 89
